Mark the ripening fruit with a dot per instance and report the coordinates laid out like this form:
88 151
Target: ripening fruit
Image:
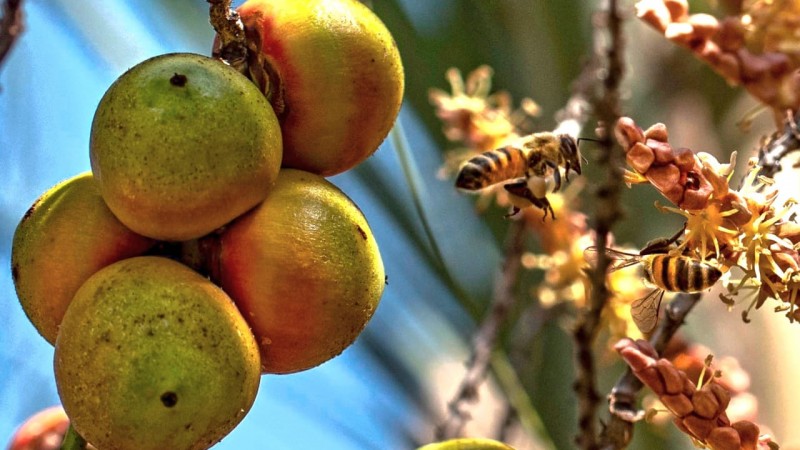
153 356
467 444
181 144
333 73
66 236
44 430
304 269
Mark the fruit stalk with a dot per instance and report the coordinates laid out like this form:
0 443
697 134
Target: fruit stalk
10 26
230 32
73 440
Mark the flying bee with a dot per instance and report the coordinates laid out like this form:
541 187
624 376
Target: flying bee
518 165
665 271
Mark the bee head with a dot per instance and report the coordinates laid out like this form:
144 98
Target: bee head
569 150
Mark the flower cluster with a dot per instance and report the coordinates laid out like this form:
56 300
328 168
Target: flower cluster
745 228
759 49
693 359
475 116
562 258
481 120
698 409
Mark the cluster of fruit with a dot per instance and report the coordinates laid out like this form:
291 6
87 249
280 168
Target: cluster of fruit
205 247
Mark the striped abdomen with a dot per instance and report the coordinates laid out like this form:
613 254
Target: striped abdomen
679 273
492 167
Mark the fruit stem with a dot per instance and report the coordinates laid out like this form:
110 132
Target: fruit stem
73 440
11 26
232 43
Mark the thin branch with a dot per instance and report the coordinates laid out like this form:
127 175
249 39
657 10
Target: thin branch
778 146
11 27
608 211
622 399
485 339
231 45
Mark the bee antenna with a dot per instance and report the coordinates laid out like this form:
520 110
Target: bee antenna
578 143
587 139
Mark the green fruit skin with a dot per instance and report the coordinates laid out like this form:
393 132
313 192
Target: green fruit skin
467 444
181 144
141 332
66 236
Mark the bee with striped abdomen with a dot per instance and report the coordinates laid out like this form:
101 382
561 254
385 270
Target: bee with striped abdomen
665 271
534 157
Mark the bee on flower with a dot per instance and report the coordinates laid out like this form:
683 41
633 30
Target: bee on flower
747 233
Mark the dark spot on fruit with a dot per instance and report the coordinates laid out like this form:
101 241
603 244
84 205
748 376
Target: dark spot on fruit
178 80
361 232
169 399
15 272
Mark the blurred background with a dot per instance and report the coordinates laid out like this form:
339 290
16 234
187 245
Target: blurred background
390 389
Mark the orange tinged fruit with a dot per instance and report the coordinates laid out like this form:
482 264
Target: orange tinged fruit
42 431
181 144
333 74
153 356
304 269
66 236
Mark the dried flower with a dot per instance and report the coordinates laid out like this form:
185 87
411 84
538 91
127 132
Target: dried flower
760 49
698 409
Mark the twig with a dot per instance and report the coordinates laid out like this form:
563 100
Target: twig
622 399
231 46
486 337
606 105
10 27
778 146
577 110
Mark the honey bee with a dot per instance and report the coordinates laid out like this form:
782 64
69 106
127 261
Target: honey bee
665 271
537 154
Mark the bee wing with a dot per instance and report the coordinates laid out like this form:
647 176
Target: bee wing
645 310
619 259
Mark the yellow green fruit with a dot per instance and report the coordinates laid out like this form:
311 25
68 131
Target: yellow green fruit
467 444
153 356
304 269
181 144
66 236
333 73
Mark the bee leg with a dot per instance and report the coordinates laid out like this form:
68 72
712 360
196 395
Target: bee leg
520 189
556 175
514 212
544 204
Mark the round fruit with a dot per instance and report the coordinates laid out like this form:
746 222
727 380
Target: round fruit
66 236
43 431
181 144
467 444
333 73
151 355
304 269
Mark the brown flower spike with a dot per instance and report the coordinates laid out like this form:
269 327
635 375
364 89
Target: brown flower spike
758 49
700 411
